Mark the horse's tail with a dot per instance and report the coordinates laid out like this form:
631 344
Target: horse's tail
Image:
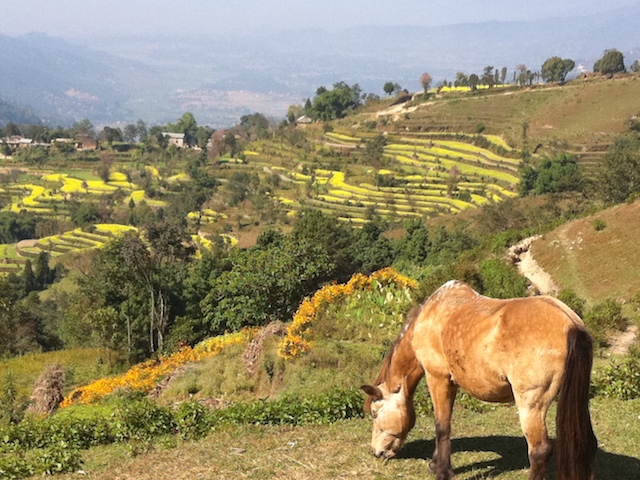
576 444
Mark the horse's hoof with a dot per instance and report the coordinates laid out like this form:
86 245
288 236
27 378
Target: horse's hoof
446 475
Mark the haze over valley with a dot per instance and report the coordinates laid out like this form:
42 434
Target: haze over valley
115 77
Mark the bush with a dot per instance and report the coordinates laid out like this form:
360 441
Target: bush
193 420
51 446
500 280
57 458
619 380
320 409
604 318
141 421
599 225
572 300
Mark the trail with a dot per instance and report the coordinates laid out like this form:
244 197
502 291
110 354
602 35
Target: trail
542 283
521 256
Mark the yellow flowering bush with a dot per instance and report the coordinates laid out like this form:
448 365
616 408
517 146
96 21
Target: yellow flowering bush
296 341
143 377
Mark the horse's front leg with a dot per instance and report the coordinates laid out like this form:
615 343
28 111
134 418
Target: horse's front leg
443 394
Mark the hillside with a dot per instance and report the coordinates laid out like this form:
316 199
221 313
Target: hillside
596 256
582 116
265 345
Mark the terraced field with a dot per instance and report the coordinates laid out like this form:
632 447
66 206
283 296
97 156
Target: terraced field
429 174
14 256
50 199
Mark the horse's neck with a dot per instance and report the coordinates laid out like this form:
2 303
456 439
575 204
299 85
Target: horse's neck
404 364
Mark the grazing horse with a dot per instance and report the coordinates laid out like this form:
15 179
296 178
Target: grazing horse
526 350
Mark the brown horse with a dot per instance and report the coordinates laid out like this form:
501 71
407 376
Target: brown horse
526 350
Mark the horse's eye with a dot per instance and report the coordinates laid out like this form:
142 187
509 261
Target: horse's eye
374 415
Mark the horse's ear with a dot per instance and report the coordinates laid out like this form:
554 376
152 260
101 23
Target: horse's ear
374 392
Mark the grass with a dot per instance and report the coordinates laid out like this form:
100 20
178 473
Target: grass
82 364
485 446
595 264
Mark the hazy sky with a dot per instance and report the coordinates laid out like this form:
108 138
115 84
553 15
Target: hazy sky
79 18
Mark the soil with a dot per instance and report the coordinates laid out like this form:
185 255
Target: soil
521 256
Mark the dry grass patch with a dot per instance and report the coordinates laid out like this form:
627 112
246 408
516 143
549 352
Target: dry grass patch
596 264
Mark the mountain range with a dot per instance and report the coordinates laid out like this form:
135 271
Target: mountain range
220 78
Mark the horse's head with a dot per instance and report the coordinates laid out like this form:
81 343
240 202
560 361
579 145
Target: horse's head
393 416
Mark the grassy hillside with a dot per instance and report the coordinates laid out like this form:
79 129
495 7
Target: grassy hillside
445 157
583 115
596 256
350 335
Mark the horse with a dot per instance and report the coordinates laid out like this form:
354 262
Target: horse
523 350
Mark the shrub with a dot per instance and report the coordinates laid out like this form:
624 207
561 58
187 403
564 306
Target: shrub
57 458
500 280
141 421
599 224
603 318
339 404
619 380
193 420
572 300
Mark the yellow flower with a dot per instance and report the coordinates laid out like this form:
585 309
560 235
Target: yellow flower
295 344
145 376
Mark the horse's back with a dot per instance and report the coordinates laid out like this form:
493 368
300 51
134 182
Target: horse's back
489 346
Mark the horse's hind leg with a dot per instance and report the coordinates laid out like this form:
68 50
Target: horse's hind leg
532 420
443 394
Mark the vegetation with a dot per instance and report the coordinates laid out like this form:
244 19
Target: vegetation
188 259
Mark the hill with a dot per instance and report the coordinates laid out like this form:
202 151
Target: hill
66 82
596 256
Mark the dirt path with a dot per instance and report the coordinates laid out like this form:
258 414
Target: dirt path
621 342
521 256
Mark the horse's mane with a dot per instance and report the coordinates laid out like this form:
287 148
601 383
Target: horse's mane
384 374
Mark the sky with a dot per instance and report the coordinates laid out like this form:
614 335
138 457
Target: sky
85 18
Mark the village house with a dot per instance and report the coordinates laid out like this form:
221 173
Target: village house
176 139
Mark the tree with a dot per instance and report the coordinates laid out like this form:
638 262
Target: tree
141 128
335 103
461 80
130 133
284 272
29 282
256 125
555 69
554 175
611 62
522 74
83 128
104 167
620 171
635 66
473 81
111 134
488 77
294 112
425 82
186 124
389 88
503 75
11 130
374 150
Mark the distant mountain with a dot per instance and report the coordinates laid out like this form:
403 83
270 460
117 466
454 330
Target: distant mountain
16 114
62 81
221 78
